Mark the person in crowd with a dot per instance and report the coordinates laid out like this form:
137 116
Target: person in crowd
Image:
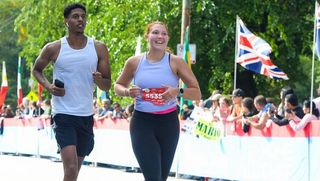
281 107
20 112
297 123
96 107
223 110
118 112
215 103
46 115
34 110
265 109
47 109
248 110
106 110
6 112
128 111
236 110
25 103
272 101
79 62
291 104
207 104
317 99
186 112
154 127
197 104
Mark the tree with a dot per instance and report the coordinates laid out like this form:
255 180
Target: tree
287 26
9 49
118 30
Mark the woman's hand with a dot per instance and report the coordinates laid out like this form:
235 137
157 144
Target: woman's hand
170 93
133 91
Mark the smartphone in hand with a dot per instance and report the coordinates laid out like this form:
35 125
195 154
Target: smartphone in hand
58 83
288 110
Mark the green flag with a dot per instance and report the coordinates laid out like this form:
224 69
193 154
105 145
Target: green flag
186 48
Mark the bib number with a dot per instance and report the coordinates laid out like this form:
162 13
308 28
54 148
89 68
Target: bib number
153 95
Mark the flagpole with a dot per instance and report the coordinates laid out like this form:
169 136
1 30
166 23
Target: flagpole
313 57
236 54
185 22
138 46
19 88
312 77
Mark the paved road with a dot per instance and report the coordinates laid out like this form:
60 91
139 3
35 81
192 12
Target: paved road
21 168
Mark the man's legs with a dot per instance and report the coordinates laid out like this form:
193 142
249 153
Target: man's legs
74 136
71 163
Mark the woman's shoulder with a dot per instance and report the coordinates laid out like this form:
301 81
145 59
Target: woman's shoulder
175 57
310 117
176 63
132 63
134 60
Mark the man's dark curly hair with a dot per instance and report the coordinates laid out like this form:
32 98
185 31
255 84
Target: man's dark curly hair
69 8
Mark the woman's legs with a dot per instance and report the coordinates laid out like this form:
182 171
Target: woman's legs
154 139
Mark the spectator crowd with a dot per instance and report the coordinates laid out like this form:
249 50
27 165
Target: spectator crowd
251 112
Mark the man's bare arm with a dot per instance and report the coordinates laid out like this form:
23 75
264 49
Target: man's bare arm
41 63
103 75
48 54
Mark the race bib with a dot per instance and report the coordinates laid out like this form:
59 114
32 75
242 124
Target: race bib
153 95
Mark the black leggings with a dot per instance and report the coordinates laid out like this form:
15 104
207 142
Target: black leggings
154 140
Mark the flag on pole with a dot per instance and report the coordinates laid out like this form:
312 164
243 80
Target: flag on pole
187 59
138 46
4 84
186 48
253 54
101 95
317 16
40 93
19 88
31 79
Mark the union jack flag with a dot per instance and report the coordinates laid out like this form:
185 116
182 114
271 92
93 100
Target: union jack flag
253 54
318 30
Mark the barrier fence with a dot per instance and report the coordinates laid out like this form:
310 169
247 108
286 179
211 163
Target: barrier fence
275 153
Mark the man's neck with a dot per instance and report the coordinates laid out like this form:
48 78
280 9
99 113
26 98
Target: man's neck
77 41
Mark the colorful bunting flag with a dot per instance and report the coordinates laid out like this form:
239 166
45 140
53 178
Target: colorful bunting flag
4 84
19 88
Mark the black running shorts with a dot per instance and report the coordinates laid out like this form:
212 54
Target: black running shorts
74 130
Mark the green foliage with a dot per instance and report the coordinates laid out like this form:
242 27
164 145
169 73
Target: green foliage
286 25
106 22
9 51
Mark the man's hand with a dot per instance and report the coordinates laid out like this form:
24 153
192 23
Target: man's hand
97 77
56 91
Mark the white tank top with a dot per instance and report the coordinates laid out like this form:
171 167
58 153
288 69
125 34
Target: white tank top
74 68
